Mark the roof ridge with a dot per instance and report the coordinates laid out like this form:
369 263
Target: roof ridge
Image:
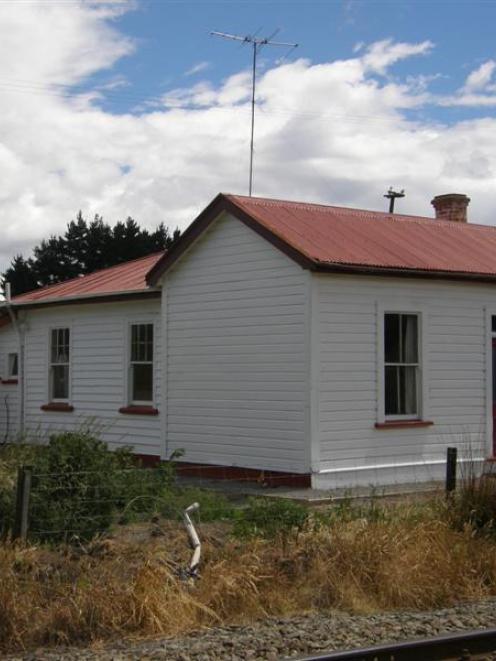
317 206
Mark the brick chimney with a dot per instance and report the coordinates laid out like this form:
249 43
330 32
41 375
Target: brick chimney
452 206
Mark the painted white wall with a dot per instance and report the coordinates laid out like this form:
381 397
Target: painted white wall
9 394
346 373
237 364
99 372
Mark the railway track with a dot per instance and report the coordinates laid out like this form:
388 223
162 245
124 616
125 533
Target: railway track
457 646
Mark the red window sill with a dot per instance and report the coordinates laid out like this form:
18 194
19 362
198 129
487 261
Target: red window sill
138 410
57 406
403 424
8 382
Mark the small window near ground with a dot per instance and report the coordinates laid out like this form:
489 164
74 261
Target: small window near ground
401 365
141 367
12 366
59 364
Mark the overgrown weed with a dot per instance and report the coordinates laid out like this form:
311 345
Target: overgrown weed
129 586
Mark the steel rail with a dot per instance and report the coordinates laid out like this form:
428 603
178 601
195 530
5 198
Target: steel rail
439 648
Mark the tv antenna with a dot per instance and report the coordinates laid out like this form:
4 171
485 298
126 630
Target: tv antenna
392 196
257 45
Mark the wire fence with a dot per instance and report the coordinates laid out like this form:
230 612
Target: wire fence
78 505
63 506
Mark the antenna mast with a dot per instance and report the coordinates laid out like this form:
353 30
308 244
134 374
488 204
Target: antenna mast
257 45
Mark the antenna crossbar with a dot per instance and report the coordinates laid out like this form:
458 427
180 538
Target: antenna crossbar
257 44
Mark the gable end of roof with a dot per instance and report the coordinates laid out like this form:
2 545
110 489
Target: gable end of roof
222 203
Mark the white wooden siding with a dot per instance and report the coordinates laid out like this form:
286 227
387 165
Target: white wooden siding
237 382
454 380
99 371
9 394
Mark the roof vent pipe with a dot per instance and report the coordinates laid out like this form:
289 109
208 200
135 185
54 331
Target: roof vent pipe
452 206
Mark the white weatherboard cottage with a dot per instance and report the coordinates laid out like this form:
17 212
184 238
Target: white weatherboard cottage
345 346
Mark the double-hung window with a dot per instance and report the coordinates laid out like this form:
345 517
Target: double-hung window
141 364
401 366
59 371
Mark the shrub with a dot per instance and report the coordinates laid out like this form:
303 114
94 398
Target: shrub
75 487
267 517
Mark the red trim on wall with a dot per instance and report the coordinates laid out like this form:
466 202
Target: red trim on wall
138 410
57 406
401 424
9 382
237 473
147 460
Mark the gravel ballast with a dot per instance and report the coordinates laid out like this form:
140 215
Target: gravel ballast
277 638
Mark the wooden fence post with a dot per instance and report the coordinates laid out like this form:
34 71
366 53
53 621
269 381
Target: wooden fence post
21 517
451 456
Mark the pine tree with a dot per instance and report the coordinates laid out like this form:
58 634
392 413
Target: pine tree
21 276
84 248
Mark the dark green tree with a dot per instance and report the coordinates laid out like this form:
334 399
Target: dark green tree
84 248
21 275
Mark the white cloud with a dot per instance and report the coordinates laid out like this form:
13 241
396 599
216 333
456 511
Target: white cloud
382 54
479 78
478 90
333 132
197 68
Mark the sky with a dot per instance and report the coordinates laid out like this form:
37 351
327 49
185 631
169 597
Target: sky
131 108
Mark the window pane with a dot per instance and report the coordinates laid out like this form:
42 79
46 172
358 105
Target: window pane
142 376
493 323
60 382
391 390
13 364
409 338
392 338
60 345
141 342
408 390
149 342
53 346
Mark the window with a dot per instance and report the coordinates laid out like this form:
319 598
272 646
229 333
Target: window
141 364
12 366
59 364
401 365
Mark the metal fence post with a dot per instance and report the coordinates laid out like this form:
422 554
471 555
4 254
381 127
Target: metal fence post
21 517
451 456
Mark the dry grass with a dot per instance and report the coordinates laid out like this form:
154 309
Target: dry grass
128 587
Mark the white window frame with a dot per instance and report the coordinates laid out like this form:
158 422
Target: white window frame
396 307
10 361
417 414
65 400
130 363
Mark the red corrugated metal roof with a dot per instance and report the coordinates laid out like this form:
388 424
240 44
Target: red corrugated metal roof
341 239
336 235
128 277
